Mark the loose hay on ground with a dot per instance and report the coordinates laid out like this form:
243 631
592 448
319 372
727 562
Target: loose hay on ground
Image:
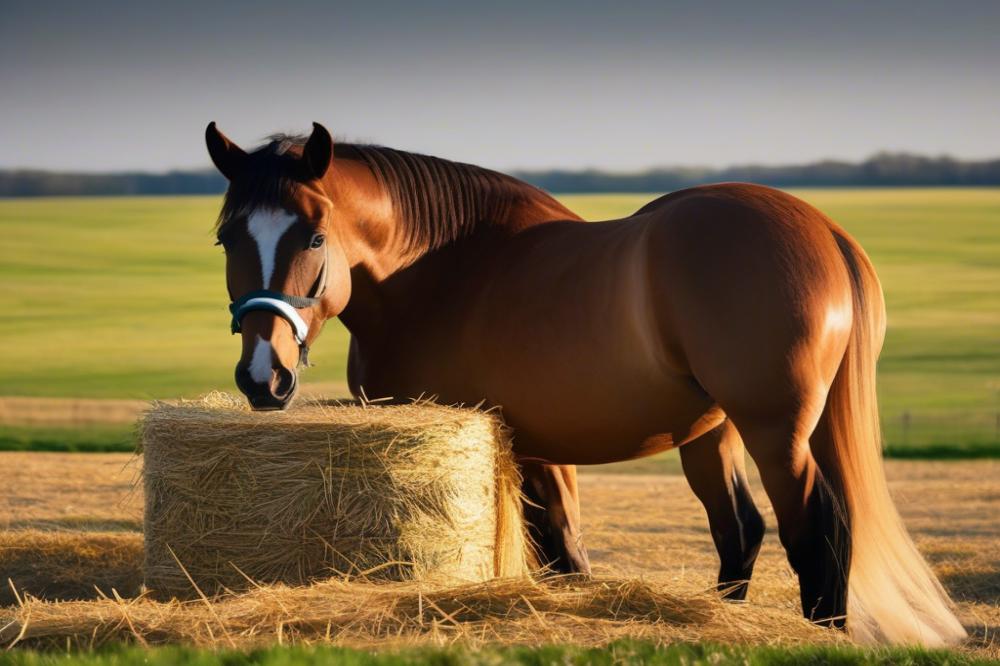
401 492
638 527
361 614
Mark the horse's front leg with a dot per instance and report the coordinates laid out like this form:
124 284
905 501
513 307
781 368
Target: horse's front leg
552 511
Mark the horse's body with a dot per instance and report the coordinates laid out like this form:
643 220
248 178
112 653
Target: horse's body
711 317
599 340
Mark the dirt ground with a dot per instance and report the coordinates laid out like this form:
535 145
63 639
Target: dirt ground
636 525
15 410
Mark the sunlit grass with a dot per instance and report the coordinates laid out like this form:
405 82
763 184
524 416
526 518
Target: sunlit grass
621 652
125 297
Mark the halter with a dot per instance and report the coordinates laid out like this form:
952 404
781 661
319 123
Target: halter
286 306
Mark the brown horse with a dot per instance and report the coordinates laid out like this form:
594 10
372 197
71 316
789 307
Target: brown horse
712 317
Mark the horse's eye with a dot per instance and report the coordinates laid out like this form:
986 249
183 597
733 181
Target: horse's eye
317 241
224 238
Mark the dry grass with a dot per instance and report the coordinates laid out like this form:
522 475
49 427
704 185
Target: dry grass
402 492
69 491
54 565
647 536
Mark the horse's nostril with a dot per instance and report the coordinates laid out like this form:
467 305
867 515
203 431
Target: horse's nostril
283 384
275 394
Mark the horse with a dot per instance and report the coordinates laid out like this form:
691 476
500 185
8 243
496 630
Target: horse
716 319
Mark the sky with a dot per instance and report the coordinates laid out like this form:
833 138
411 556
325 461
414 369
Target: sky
97 86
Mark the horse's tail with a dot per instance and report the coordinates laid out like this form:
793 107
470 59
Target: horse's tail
893 595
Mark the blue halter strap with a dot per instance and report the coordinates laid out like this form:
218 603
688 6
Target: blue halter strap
285 306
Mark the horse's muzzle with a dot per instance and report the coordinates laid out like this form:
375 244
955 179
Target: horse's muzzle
264 396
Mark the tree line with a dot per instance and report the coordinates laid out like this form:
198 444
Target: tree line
882 169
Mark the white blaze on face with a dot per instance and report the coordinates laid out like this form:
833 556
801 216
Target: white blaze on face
260 363
267 227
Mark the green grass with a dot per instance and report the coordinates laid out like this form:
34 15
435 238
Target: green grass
624 652
87 439
125 297
119 297
966 451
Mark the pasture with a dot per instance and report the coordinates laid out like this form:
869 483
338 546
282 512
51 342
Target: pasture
125 298
111 302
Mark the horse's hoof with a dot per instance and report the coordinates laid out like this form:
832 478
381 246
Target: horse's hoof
570 578
839 623
734 592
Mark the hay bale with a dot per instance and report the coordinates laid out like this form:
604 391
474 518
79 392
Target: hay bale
409 492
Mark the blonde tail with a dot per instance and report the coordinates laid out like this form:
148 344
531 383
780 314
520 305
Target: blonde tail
893 596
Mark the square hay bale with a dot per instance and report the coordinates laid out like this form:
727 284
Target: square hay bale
408 492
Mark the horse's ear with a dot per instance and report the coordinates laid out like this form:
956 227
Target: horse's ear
318 151
228 157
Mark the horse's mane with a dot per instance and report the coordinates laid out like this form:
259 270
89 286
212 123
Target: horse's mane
437 200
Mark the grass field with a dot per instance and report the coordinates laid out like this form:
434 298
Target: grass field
125 297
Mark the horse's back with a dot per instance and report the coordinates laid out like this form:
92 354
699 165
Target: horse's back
719 256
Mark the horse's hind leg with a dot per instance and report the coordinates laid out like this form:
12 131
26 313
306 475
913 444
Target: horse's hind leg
812 530
714 466
552 512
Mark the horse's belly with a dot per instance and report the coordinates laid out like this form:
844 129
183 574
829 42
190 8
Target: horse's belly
581 366
596 422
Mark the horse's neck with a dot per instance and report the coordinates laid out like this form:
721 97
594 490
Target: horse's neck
389 273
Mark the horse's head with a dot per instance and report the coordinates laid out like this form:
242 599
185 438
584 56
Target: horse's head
286 268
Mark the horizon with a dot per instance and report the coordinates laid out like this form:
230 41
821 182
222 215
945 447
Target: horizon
208 167
516 88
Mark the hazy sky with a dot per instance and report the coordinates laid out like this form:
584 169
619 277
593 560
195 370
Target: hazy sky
619 85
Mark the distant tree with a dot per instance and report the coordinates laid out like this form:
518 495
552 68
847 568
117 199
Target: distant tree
35 183
882 169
